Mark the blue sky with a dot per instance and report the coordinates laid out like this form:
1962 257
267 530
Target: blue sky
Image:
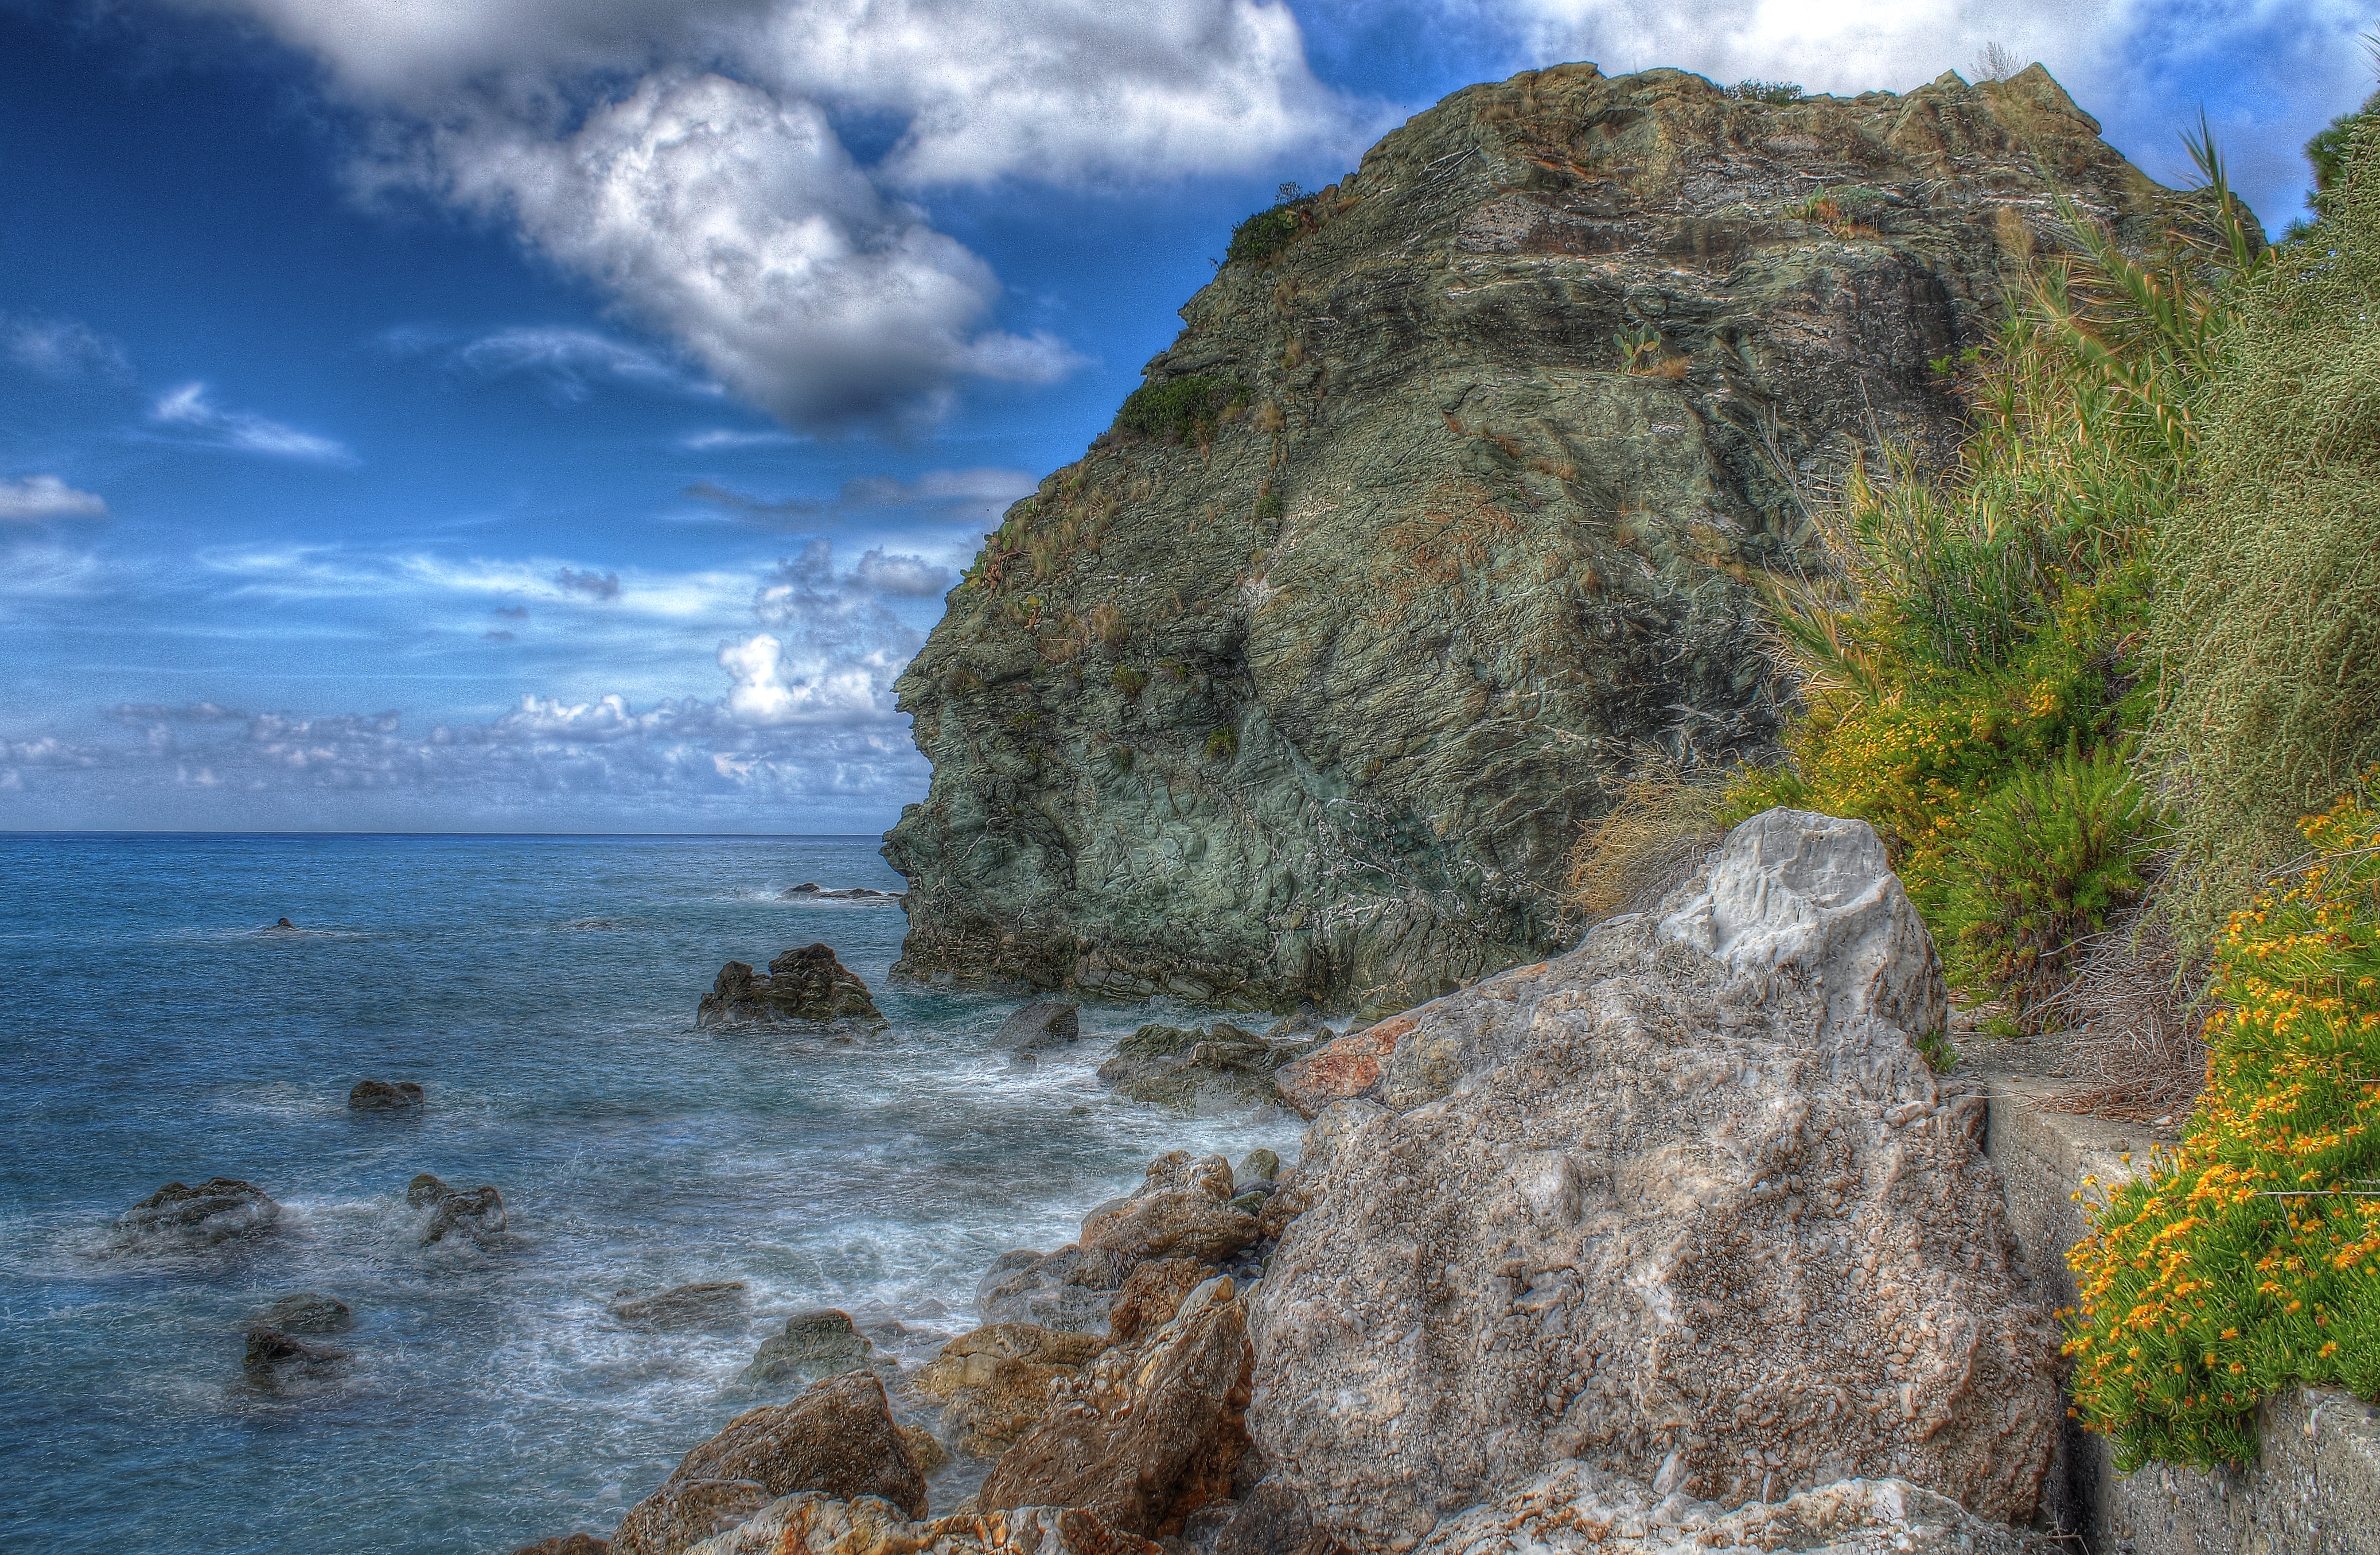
567 414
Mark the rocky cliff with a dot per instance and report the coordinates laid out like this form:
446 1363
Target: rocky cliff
1451 501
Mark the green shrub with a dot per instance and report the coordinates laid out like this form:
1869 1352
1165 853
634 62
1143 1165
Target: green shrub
1259 239
1128 680
1183 409
1120 758
2249 1259
1269 506
2048 856
1224 743
2269 574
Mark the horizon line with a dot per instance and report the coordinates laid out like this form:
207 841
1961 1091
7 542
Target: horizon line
162 831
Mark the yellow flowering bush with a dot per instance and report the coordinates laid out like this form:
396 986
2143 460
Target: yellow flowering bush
2248 1260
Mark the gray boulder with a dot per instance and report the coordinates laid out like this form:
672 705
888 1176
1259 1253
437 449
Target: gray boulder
215 1210
815 1344
1045 1022
1848 1517
1684 1205
805 985
1183 1068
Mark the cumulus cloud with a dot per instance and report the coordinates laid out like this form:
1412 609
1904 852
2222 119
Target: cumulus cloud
682 157
913 576
46 496
189 410
63 348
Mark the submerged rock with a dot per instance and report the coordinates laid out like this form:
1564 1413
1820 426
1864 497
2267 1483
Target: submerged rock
808 984
994 1383
1848 1517
1045 1022
816 1525
309 1313
815 1344
1149 1433
683 1306
215 1210
837 1437
1683 1205
271 1353
1181 1068
1068 1290
381 1095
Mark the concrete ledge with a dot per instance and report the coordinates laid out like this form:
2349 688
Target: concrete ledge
2315 1488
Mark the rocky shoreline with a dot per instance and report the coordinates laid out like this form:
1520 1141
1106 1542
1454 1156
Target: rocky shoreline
1671 1240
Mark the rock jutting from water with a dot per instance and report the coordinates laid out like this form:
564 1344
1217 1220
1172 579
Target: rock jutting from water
1683 1205
309 1312
216 1211
683 1306
382 1095
476 1214
810 890
1044 1023
815 1344
807 985
1455 494
1183 1068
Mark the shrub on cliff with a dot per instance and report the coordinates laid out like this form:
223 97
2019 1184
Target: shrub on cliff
1183 409
2249 1259
1261 238
2267 631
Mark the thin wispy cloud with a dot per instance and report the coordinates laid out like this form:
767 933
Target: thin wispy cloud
717 438
190 411
63 348
567 362
36 497
958 492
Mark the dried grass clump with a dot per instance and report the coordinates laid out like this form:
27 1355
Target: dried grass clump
1662 824
2135 1045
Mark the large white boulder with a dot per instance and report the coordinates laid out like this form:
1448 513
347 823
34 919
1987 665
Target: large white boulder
1683 1206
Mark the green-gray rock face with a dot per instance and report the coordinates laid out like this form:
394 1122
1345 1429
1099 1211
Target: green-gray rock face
1300 681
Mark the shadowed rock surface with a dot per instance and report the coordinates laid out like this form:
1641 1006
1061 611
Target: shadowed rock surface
1684 1205
1045 1022
382 1095
816 1525
808 984
994 1383
837 1437
684 1307
1182 1067
309 1313
477 1214
815 1344
1303 688
566 1544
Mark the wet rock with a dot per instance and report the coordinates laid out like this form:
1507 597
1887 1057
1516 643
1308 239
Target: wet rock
215 1210
271 1354
1181 1067
381 1096
1850 1517
566 1544
1068 1290
925 1450
477 1213
1045 1022
309 1313
683 1306
814 1525
815 1344
1150 1296
1684 1205
1260 1166
994 1383
810 890
837 1437
1149 1433
1182 1210
425 1190
808 984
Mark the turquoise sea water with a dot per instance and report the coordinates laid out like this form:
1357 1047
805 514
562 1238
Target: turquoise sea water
543 990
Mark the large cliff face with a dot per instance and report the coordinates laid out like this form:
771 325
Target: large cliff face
1302 681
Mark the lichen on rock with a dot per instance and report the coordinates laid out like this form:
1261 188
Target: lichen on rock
1463 487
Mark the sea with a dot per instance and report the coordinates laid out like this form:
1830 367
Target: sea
157 1027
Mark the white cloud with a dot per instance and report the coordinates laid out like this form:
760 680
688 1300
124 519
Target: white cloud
911 576
189 409
64 348
681 155
46 496
715 438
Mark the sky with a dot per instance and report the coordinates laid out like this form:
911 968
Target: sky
567 415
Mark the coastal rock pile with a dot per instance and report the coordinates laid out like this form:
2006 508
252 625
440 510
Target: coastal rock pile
814 1525
837 1437
1456 490
808 984
1684 1205
1182 1067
